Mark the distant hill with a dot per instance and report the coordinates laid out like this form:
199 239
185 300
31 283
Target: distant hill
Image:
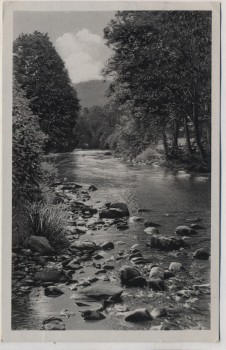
92 93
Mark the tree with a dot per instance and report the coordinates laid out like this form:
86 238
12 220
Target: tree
42 75
161 71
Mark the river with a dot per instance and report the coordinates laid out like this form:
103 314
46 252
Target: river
172 198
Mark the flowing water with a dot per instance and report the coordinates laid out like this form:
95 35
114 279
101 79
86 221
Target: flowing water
172 197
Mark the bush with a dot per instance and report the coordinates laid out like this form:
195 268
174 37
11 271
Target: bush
47 221
148 155
28 141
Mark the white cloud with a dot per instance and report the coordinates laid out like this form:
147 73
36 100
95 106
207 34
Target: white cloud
84 54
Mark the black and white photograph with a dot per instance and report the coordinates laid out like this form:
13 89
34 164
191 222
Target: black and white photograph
115 170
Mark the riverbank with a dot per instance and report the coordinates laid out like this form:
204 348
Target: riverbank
163 272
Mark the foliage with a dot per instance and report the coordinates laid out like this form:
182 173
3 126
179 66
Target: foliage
28 140
161 71
96 124
42 75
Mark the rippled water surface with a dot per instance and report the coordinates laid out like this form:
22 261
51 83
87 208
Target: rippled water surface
172 197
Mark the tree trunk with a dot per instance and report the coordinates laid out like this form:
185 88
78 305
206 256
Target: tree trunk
165 144
175 134
187 136
197 135
208 136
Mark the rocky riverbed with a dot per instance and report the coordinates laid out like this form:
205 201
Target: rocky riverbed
106 279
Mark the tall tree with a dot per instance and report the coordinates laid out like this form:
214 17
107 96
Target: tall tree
41 73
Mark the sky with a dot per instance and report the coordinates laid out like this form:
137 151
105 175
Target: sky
77 37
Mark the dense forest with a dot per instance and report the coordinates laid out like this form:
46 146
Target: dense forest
158 101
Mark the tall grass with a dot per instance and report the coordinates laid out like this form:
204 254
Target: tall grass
47 220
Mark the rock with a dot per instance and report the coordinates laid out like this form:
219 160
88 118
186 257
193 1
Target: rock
92 188
176 266
122 226
39 244
107 153
102 291
151 231
98 256
69 186
74 264
53 291
150 224
137 254
71 229
135 219
193 220
168 274
187 293
127 273
66 313
166 243
78 303
51 274
53 324
92 315
121 206
138 315
86 245
156 284
197 227
139 261
137 282
158 312
110 214
185 231
167 326
107 246
108 267
142 210
135 246
156 272
201 254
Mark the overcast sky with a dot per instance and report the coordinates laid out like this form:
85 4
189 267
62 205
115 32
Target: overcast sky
77 36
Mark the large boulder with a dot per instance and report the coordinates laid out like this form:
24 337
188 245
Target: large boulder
102 291
128 273
39 244
166 243
51 274
185 231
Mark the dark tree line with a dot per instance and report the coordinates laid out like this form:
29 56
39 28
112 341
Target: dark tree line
161 71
